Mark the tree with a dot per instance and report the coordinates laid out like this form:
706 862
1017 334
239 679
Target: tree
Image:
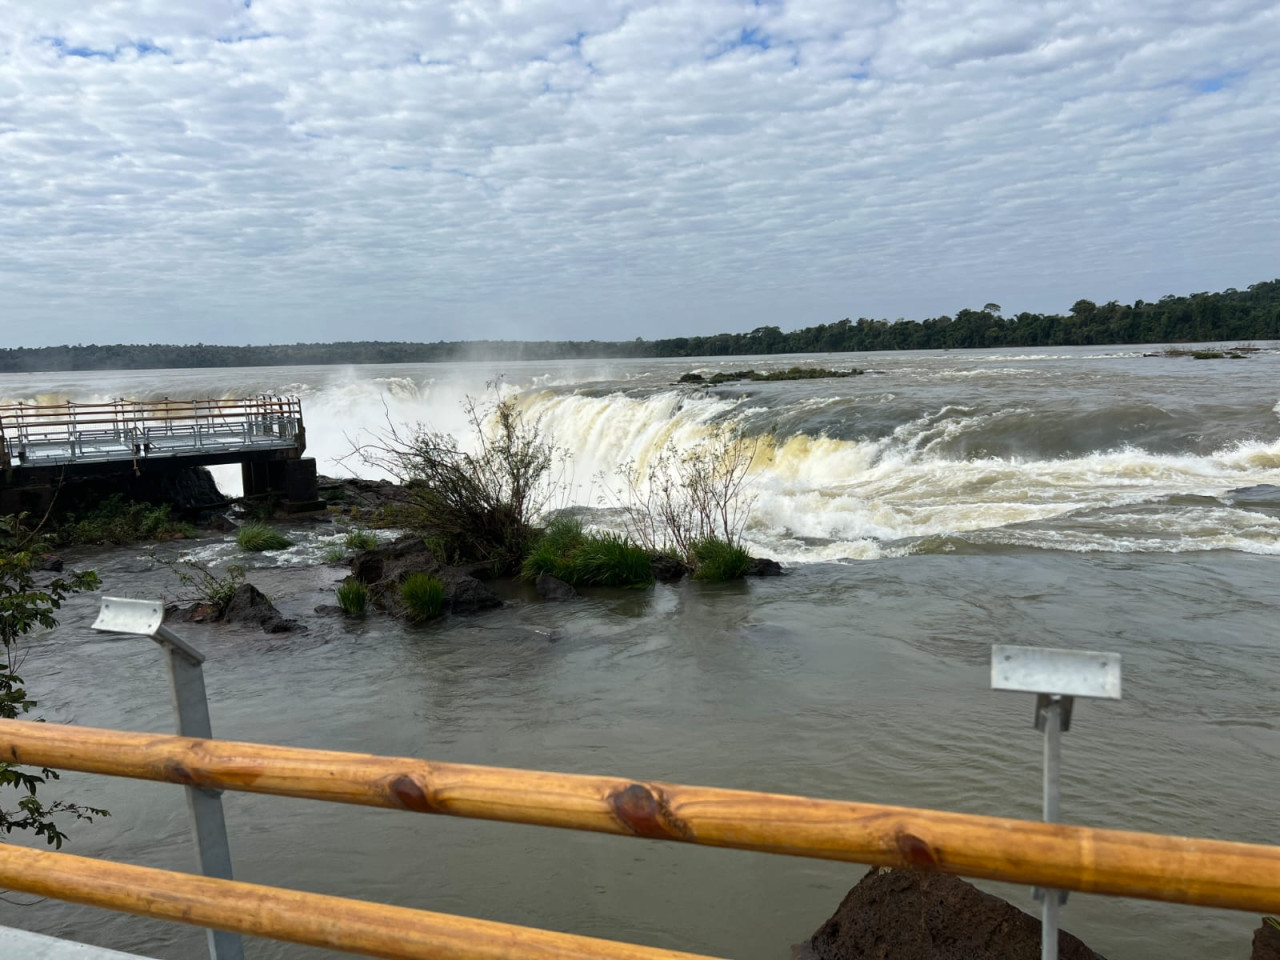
26 605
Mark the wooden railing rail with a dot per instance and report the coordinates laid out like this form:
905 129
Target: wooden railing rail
356 926
1120 863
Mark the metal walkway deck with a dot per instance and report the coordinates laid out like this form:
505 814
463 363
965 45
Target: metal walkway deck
33 436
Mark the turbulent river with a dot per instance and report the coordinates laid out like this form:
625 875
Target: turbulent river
1076 497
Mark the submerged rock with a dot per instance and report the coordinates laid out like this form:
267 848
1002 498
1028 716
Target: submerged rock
910 915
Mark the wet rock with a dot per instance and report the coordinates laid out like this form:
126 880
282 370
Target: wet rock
553 588
328 610
764 567
463 593
191 613
1266 942
667 569
366 494
250 605
910 915
392 562
384 568
49 562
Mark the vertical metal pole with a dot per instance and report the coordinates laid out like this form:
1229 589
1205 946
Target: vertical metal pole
210 826
1052 764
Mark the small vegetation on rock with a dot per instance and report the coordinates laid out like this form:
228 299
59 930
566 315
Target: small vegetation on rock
579 558
202 585
353 597
791 373
716 560
422 596
258 537
360 540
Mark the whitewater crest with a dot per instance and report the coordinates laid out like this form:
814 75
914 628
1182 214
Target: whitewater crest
819 498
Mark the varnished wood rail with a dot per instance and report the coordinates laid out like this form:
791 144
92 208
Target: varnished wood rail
356 926
1121 863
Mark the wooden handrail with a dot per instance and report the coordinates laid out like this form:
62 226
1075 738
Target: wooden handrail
356 926
1120 863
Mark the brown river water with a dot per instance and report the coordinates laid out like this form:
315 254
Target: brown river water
1070 498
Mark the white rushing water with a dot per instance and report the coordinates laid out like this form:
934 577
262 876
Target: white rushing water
1081 450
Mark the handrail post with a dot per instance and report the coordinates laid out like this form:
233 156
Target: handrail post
191 704
1056 677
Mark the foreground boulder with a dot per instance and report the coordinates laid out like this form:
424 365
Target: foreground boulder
1266 941
910 915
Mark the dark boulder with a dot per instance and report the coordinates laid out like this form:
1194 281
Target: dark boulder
764 567
910 915
48 562
1266 942
463 593
250 605
667 569
394 561
553 588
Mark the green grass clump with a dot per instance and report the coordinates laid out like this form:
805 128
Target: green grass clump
1208 355
353 597
361 540
579 558
717 560
422 596
257 537
334 554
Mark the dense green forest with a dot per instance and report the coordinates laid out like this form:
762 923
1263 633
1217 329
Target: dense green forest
1252 314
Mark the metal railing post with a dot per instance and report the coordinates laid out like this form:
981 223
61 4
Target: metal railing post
1056 677
191 703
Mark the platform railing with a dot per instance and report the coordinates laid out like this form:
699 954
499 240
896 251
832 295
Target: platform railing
36 434
1195 871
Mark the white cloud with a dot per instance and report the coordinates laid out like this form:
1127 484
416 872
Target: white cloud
324 170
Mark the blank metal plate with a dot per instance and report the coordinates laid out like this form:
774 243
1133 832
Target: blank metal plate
122 615
1069 673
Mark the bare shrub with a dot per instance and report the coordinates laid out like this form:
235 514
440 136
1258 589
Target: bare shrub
480 504
685 497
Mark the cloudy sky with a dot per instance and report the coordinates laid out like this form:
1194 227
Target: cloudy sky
256 171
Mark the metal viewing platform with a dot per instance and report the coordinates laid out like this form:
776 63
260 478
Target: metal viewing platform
45 445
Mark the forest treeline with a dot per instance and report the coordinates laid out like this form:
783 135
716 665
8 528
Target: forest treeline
1252 314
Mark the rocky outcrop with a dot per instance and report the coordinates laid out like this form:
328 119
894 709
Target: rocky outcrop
383 569
910 915
250 605
667 569
247 605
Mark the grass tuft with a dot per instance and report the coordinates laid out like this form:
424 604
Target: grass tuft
718 560
579 558
257 537
422 596
334 554
361 540
353 597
